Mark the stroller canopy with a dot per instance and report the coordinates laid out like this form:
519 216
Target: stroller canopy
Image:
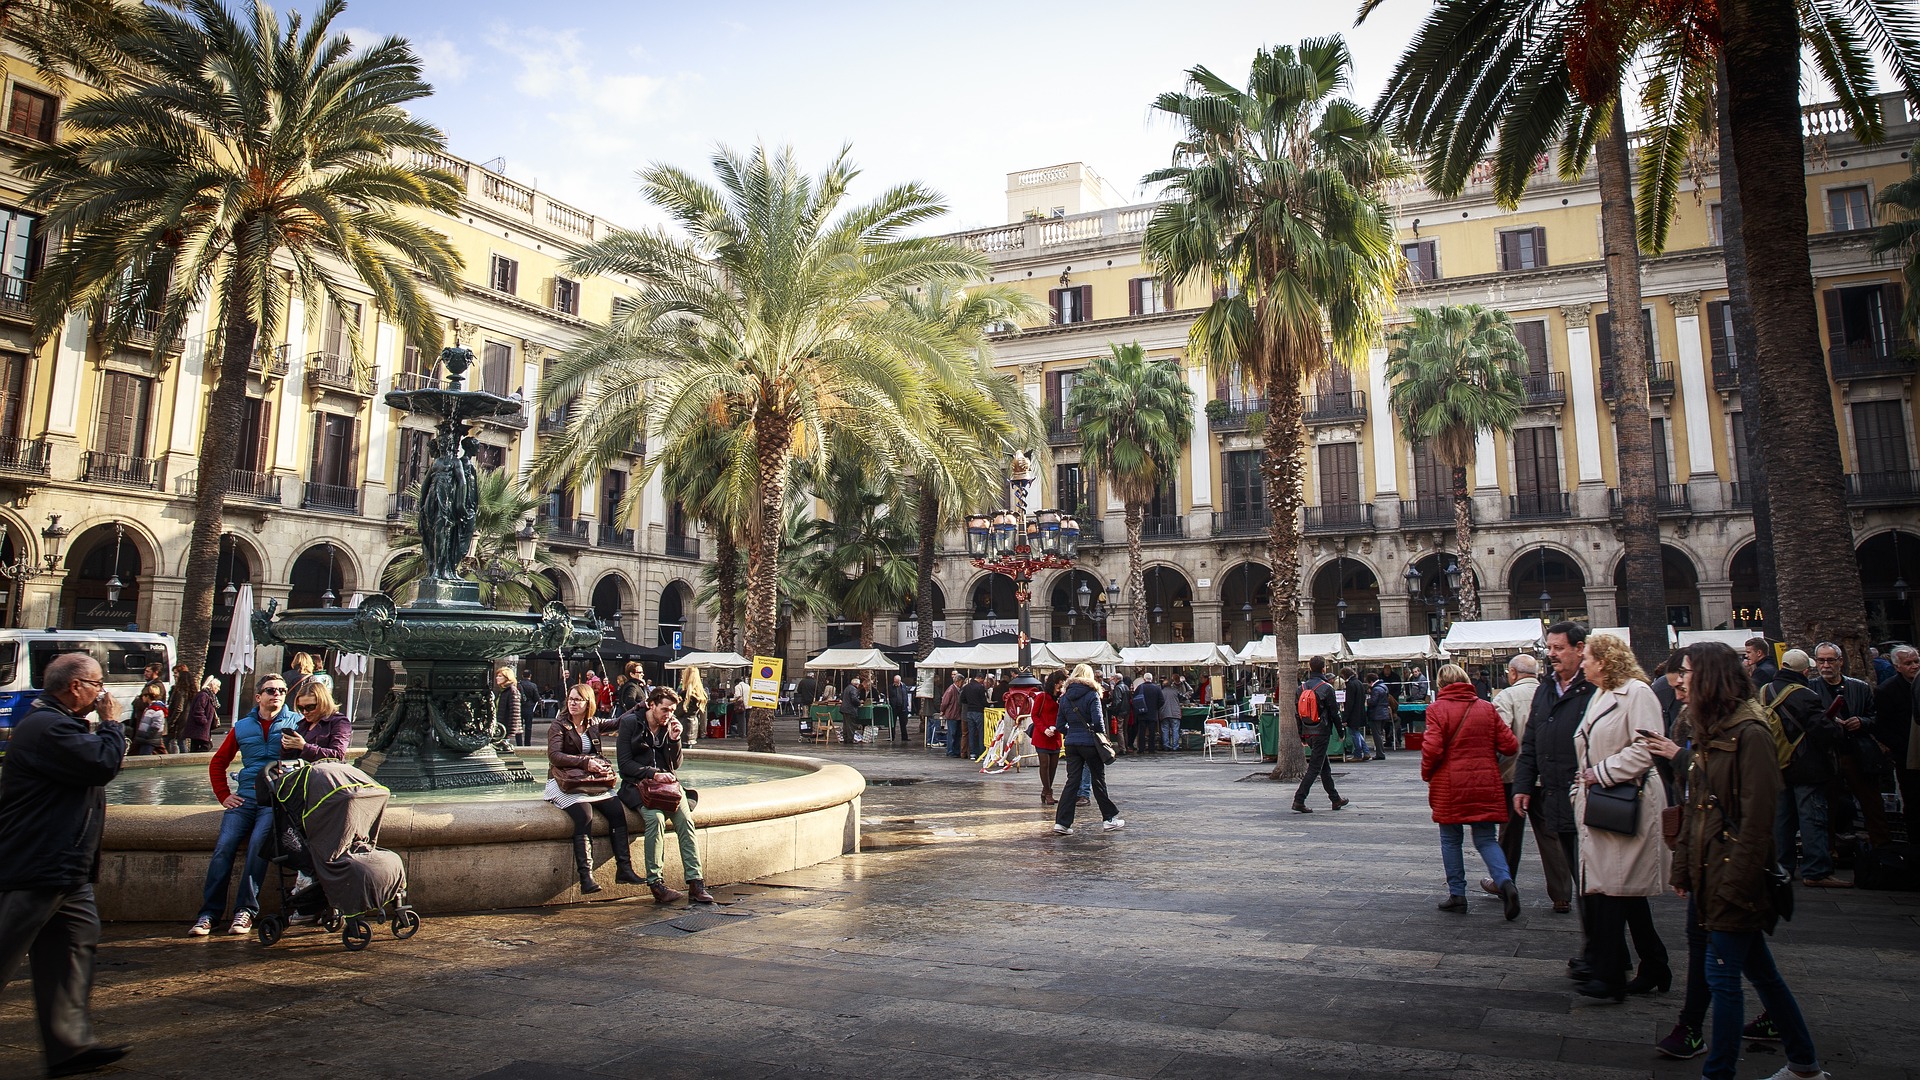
337 809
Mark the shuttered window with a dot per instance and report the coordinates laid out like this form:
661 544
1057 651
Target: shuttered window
1432 479
496 367
1662 461
566 296
1246 485
334 452
1166 500
256 433
416 453
1423 260
613 488
1339 474
1149 296
1536 461
1074 491
32 115
503 274
1603 327
334 338
1880 437
1741 446
125 411
1725 351
1864 318
1523 249
21 249
1533 338
13 377
1071 305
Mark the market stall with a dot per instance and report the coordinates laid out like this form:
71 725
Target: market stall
874 710
1184 654
1377 654
717 703
1331 646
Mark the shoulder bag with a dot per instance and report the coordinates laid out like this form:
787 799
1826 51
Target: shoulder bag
661 792
1615 808
594 776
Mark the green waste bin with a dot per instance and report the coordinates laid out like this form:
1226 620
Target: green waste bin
1269 733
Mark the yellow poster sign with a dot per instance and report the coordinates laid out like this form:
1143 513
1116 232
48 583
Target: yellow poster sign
763 689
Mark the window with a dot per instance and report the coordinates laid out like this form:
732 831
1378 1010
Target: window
1340 481
1662 461
1149 296
1071 305
1523 249
1880 438
1336 380
335 339
1849 208
21 250
1603 324
1246 485
490 458
1864 321
676 519
416 452
1059 392
1432 479
557 507
1423 260
1716 225
566 296
1074 491
1166 500
1739 446
613 488
1724 349
503 274
496 367
126 403
1533 338
256 434
1236 389
32 114
334 455
1536 466
13 378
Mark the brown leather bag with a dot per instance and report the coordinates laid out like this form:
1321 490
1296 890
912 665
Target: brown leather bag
661 792
1670 822
594 778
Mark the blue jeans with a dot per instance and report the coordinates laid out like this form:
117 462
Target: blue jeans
249 822
1803 808
970 720
1486 838
1731 955
1170 733
1086 784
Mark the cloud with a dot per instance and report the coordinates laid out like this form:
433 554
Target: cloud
444 62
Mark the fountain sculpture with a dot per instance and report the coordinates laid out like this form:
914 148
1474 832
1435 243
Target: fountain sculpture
437 729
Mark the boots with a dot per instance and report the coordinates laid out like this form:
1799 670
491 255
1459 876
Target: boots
664 895
697 890
624 875
583 861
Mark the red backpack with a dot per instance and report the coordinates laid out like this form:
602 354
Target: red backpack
1308 707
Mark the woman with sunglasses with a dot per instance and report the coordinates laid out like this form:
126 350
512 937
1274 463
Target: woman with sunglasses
323 730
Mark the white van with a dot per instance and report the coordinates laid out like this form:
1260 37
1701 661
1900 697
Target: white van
123 656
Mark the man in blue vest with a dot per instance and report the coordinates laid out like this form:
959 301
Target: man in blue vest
256 738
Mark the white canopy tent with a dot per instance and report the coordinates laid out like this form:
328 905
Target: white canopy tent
1493 636
710 659
946 657
1069 653
1262 651
1735 639
1415 647
852 659
1179 654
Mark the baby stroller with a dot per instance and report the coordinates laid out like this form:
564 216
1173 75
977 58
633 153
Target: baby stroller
326 817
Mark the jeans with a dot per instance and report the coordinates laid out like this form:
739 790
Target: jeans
655 822
1084 766
58 929
1693 1010
1731 955
249 823
1170 733
1316 770
1086 783
1803 808
976 732
1485 841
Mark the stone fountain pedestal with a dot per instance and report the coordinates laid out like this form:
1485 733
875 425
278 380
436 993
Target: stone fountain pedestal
418 759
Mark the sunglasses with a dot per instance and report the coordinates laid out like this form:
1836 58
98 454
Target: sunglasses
306 706
276 690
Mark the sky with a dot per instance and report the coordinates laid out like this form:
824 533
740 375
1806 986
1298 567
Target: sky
576 98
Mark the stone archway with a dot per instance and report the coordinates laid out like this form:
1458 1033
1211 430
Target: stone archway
1682 583
1746 596
1072 601
1169 604
993 605
1890 580
676 612
1546 583
320 576
1436 605
104 583
1346 599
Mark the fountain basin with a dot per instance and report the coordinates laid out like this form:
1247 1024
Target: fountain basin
476 855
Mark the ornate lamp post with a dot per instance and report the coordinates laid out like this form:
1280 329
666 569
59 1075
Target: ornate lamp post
1444 586
1010 543
23 569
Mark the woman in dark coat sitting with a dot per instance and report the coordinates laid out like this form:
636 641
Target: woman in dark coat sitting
1460 761
573 739
650 747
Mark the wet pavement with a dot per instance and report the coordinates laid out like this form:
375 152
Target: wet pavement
1218 934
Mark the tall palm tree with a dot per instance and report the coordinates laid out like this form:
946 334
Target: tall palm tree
248 148
765 302
1455 372
708 469
71 37
1135 417
863 553
505 581
1274 199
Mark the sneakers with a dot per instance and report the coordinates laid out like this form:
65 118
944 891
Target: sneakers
1682 1042
1113 824
242 923
1786 1073
201 927
1062 830
1761 1030
297 919
1826 883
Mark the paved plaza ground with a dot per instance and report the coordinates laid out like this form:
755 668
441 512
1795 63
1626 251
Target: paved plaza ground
1218 935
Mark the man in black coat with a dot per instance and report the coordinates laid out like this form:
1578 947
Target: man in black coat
1896 704
1543 778
1803 795
1355 710
52 803
1318 730
1849 702
899 701
850 709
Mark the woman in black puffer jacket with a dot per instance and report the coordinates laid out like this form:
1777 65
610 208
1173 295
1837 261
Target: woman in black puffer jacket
1079 720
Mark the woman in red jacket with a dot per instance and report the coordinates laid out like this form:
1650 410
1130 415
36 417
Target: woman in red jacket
1046 737
1460 761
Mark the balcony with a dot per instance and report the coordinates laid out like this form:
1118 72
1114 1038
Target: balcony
1872 359
636 448
1334 408
400 505
1062 430
1544 387
331 371
1726 371
24 457
1429 512
1739 496
1337 518
122 470
1237 414
1539 506
415 380
1668 499
1091 534
683 547
16 299
1162 527
568 532
554 422
511 422
145 333
1659 379
243 485
1250 522
331 498
1898 487
617 539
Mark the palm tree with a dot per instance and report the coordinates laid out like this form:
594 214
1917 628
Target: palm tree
502 522
1455 373
71 37
863 553
1135 417
1899 234
248 148
766 303
1275 201
708 470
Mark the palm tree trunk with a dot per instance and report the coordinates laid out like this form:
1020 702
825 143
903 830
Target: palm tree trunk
1463 543
1746 349
773 445
218 443
928 552
1286 447
1821 599
1137 576
726 573
1645 586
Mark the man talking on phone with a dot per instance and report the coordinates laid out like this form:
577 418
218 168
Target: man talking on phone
649 748
52 802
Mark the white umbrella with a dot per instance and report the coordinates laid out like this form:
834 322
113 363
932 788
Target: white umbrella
351 664
711 659
238 659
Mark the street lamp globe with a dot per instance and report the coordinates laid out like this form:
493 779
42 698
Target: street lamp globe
1413 581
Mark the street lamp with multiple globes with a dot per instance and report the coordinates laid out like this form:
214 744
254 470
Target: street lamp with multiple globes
23 569
1017 545
1444 586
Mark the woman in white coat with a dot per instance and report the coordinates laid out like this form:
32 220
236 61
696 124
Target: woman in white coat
1618 871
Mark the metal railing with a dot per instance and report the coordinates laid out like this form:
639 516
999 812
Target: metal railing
1162 527
683 547
1062 430
401 504
1894 486
243 485
332 498
125 470
1255 522
1739 496
338 372
1091 533
16 298
620 539
554 422
1871 359
415 380
1239 414
511 422
1726 370
26 457
1545 387
1660 379
1534 505
568 532
1667 499
1429 511
1332 408
1340 517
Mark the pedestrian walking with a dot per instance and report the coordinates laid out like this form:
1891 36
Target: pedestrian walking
1687 1040
1046 732
1759 662
508 709
52 805
530 700
950 715
1381 710
850 711
1354 712
973 711
1543 777
1081 721
203 715
1802 809
1460 761
1722 861
1620 869
1144 708
1897 704
1317 710
1861 761
899 703
1514 704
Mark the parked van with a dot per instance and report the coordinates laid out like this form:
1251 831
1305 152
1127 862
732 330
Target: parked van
123 656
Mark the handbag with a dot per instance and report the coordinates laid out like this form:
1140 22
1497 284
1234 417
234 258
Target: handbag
1671 819
594 778
1106 747
661 792
1614 809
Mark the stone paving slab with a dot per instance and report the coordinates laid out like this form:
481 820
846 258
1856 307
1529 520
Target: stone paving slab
1217 935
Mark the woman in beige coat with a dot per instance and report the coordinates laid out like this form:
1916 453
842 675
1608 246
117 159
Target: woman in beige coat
1619 871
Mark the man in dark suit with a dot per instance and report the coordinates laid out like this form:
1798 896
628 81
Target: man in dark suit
1543 778
1897 705
1760 663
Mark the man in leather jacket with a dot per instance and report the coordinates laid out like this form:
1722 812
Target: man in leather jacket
650 745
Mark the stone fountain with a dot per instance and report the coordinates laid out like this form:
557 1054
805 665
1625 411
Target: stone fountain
437 729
